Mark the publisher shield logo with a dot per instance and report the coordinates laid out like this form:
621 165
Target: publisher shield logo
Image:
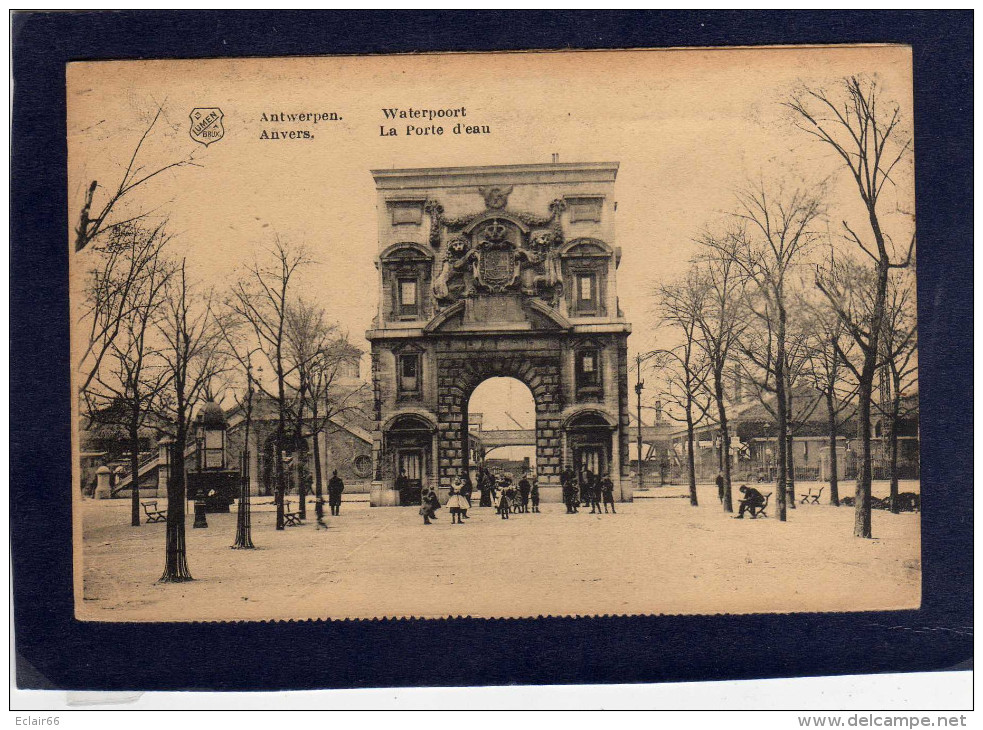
206 125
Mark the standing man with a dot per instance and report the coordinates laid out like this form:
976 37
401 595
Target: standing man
483 500
566 485
607 493
586 482
594 493
524 490
534 493
720 487
335 488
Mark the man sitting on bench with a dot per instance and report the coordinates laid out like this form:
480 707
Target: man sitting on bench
752 501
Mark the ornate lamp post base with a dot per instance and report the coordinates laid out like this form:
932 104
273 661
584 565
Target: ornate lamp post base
200 520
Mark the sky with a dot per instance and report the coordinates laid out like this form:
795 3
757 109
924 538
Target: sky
688 127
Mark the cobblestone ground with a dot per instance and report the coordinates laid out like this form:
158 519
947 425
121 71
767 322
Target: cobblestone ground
657 555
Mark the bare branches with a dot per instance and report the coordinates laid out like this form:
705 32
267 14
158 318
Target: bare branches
90 227
260 304
192 349
871 144
123 278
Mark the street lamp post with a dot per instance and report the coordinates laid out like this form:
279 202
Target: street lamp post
200 520
244 540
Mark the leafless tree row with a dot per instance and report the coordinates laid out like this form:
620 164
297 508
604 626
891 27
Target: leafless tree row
773 298
157 344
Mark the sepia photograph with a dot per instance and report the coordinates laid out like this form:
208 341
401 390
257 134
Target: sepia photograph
494 335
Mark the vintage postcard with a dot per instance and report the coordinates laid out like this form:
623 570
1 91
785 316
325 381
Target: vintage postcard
494 335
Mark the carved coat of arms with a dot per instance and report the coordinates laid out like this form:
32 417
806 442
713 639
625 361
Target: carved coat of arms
206 125
497 267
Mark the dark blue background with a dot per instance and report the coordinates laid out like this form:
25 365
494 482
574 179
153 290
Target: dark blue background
54 650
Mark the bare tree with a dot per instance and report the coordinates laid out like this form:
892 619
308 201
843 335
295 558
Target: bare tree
870 142
122 271
899 373
799 348
775 233
330 403
686 370
319 354
260 302
721 322
307 334
193 355
828 374
131 377
91 225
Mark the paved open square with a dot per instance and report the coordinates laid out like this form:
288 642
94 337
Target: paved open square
656 555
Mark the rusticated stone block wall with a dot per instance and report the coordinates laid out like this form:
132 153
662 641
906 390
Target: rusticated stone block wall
463 364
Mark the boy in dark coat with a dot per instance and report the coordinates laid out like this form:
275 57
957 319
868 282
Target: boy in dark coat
534 493
524 490
594 493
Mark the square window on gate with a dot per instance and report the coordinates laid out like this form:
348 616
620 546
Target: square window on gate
588 369
409 374
408 298
585 294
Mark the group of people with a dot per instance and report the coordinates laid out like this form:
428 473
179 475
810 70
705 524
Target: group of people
335 488
511 498
499 491
587 490
496 490
458 501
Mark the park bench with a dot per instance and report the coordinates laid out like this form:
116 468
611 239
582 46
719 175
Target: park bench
154 514
760 511
811 497
291 519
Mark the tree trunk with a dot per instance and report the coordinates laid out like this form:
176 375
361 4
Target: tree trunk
718 386
861 525
790 485
318 478
176 560
834 487
135 466
298 443
281 437
790 454
692 462
781 404
244 538
862 518
895 410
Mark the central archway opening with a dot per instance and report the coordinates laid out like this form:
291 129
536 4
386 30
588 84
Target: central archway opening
501 427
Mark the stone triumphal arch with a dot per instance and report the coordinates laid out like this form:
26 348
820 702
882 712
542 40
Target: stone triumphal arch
503 271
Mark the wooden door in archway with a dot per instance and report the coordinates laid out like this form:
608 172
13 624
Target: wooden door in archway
410 463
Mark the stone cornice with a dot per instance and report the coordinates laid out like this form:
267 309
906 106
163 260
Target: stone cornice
437 177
